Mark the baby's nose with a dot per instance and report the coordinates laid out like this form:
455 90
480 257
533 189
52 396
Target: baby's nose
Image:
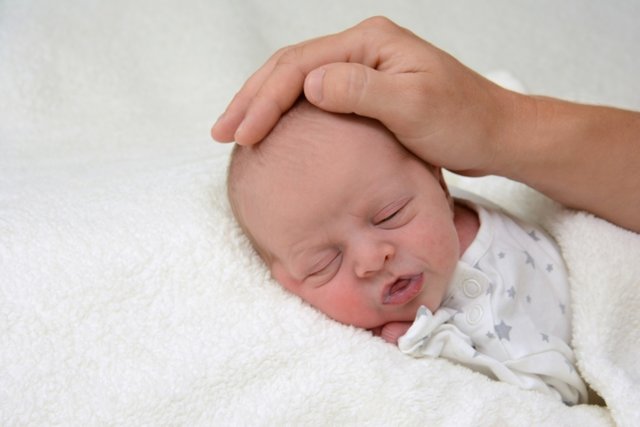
373 258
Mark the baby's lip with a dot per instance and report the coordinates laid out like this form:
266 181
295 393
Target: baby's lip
402 290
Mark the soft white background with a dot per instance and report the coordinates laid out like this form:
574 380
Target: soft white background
127 295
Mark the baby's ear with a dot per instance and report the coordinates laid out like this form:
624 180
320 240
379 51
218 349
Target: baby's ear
437 172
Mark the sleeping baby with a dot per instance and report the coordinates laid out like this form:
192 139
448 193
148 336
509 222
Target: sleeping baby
361 229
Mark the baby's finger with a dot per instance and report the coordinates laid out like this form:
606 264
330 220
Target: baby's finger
394 330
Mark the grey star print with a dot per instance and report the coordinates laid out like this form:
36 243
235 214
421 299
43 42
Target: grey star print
511 292
490 289
529 260
533 235
503 330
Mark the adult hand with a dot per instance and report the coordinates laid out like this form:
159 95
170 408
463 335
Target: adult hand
583 156
438 108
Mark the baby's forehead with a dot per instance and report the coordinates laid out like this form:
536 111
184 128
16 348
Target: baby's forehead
310 135
305 146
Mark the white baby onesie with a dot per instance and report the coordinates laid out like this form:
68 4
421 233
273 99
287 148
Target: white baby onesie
507 312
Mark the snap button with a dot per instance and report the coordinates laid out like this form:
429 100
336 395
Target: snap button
471 288
474 314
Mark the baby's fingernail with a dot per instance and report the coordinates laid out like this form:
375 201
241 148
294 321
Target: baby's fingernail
313 85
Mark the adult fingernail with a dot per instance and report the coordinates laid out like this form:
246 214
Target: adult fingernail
242 135
313 85
238 135
220 118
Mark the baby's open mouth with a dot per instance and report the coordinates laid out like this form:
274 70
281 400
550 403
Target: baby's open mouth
403 290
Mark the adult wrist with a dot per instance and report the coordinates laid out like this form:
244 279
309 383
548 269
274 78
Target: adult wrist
513 138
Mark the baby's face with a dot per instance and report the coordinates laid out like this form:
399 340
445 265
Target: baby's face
354 225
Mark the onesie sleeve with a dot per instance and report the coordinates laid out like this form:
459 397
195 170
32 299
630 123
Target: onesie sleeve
551 372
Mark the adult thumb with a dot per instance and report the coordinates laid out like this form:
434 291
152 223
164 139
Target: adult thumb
354 88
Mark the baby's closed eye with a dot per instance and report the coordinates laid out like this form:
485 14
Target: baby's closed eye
393 215
326 268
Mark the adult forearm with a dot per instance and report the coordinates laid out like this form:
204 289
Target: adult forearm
584 156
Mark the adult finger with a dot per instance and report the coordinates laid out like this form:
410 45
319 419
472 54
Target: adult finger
275 97
225 127
281 88
272 90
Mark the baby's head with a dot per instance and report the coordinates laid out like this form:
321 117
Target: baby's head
345 217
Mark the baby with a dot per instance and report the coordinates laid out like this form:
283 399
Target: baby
369 234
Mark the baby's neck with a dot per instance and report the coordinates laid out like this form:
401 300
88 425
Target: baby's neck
467 224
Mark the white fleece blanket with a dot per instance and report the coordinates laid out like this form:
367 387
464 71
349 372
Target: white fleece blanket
128 296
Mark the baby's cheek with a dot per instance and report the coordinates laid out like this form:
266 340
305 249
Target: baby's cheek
352 307
445 238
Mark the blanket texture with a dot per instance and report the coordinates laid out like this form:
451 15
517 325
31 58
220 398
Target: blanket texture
128 295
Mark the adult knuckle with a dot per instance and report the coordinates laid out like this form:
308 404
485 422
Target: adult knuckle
290 55
379 22
379 31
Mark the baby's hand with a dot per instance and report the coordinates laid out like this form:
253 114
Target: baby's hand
391 331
